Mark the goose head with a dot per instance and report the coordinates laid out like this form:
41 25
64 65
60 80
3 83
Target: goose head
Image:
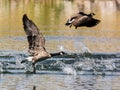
82 13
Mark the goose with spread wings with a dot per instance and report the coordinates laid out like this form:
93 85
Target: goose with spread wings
36 43
82 19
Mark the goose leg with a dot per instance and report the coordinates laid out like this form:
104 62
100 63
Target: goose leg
70 25
75 27
34 69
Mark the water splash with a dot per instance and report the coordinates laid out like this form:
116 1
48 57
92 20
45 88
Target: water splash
28 67
61 48
85 49
1 67
69 70
70 64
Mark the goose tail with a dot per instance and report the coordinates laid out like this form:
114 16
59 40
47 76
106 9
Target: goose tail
27 59
23 61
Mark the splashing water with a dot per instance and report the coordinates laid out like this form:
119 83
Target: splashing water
69 70
85 49
61 48
1 67
71 64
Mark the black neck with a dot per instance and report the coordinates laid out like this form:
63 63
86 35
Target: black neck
55 54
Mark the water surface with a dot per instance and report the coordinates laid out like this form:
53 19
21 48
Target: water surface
51 15
58 82
96 71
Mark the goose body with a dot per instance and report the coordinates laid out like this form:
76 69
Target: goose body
36 43
81 19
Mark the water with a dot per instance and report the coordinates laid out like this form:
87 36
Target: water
69 72
93 59
64 83
58 82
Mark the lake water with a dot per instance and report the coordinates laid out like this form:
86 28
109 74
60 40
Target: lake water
78 70
59 82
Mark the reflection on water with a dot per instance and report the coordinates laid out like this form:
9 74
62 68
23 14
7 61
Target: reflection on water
51 15
59 82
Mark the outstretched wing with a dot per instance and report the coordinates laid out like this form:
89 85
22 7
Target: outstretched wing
87 21
93 22
35 38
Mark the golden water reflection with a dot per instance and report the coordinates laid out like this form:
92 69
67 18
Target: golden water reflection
51 15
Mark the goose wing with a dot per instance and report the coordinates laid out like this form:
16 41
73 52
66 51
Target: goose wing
92 22
87 20
81 20
35 38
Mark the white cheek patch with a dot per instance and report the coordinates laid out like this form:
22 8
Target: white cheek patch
70 21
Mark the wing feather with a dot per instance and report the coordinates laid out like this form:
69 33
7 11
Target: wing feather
36 40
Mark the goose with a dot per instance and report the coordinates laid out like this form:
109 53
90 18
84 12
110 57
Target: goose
82 19
36 43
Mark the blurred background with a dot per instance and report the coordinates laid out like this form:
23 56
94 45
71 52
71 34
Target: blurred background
51 15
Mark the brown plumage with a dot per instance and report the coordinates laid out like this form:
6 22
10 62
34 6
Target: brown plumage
36 43
81 19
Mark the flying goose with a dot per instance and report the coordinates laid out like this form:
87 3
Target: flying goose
36 43
81 19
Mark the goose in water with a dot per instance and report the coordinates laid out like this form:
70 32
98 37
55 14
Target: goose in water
36 43
81 19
